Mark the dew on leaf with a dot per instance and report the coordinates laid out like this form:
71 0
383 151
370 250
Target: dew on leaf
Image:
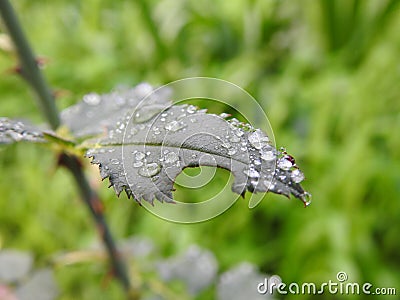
252 173
175 126
224 115
114 161
234 139
306 198
156 130
191 109
137 164
146 113
226 145
92 99
284 163
232 151
149 170
133 131
267 155
171 157
139 155
297 176
258 139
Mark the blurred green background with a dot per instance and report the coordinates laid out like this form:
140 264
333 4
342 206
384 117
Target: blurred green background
326 72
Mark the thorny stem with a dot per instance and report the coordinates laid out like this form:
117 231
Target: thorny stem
32 74
94 204
29 67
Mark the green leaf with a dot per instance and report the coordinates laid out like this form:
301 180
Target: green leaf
145 151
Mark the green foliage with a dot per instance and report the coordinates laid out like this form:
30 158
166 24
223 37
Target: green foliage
331 93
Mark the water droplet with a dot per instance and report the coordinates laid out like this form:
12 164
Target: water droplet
257 162
171 157
254 183
92 99
234 139
239 133
232 151
162 119
226 145
137 164
258 139
146 113
149 170
175 126
114 161
297 176
284 163
252 173
133 131
306 198
267 183
143 89
156 130
224 115
193 120
139 155
181 116
267 155
191 109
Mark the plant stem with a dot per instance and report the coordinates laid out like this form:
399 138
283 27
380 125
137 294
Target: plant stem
94 204
32 74
29 67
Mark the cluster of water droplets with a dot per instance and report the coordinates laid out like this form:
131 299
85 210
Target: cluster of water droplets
154 132
15 131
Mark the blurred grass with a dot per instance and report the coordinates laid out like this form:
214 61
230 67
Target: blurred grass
326 72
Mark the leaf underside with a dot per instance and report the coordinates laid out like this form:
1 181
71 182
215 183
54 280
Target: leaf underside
144 151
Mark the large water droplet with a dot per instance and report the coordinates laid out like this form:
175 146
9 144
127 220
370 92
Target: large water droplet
284 163
175 125
191 109
146 113
297 176
149 170
267 155
92 99
258 139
